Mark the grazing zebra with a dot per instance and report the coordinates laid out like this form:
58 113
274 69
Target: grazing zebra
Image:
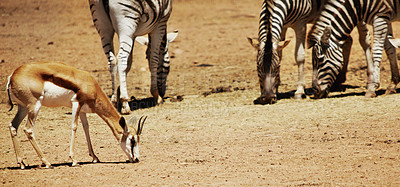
275 18
131 18
332 29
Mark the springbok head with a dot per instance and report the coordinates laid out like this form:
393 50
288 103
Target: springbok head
131 138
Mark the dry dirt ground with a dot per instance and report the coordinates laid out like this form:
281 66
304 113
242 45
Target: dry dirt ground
221 139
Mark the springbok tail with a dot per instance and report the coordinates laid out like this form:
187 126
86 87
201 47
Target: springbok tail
9 94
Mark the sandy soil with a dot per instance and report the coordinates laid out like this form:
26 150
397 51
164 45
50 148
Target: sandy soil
221 139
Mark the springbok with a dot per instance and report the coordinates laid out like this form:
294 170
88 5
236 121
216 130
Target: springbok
54 84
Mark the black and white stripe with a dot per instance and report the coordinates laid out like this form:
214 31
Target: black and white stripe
332 30
131 18
275 18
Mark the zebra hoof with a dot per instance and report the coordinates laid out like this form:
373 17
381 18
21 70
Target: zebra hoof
390 90
299 96
125 109
370 94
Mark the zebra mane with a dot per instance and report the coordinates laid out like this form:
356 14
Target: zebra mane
323 21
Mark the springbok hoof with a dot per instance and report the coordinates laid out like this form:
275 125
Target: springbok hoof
95 160
74 164
22 165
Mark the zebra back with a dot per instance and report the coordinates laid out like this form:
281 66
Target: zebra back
343 15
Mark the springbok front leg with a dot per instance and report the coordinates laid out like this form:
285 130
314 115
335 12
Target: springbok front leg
21 114
85 125
32 115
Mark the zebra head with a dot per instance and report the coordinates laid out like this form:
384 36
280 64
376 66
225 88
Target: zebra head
268 64
327 60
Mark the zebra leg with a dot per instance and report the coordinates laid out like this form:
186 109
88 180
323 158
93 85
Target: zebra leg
163 67
341 77
365 41
124 64
391 54
299 56
380 27
155 59
106 31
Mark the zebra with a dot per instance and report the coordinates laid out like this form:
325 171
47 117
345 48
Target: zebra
131 18
275 18
332 29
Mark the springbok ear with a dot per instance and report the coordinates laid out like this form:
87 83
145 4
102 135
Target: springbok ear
172 36
132 121
325 36
395 42
122 122
254 42
285 43
142 40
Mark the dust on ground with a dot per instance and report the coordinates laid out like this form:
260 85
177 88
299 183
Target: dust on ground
200 136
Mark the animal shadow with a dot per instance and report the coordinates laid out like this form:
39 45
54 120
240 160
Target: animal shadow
136 104
340 88
29 167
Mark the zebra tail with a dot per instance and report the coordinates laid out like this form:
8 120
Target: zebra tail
106 8
9 94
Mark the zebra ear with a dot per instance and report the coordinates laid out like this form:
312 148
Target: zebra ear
395 42
172 36
254 42
325 36
142 40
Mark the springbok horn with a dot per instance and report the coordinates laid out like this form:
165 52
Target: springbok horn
140 127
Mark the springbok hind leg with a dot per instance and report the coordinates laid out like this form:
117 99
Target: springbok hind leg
21 114
32 114
74 124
